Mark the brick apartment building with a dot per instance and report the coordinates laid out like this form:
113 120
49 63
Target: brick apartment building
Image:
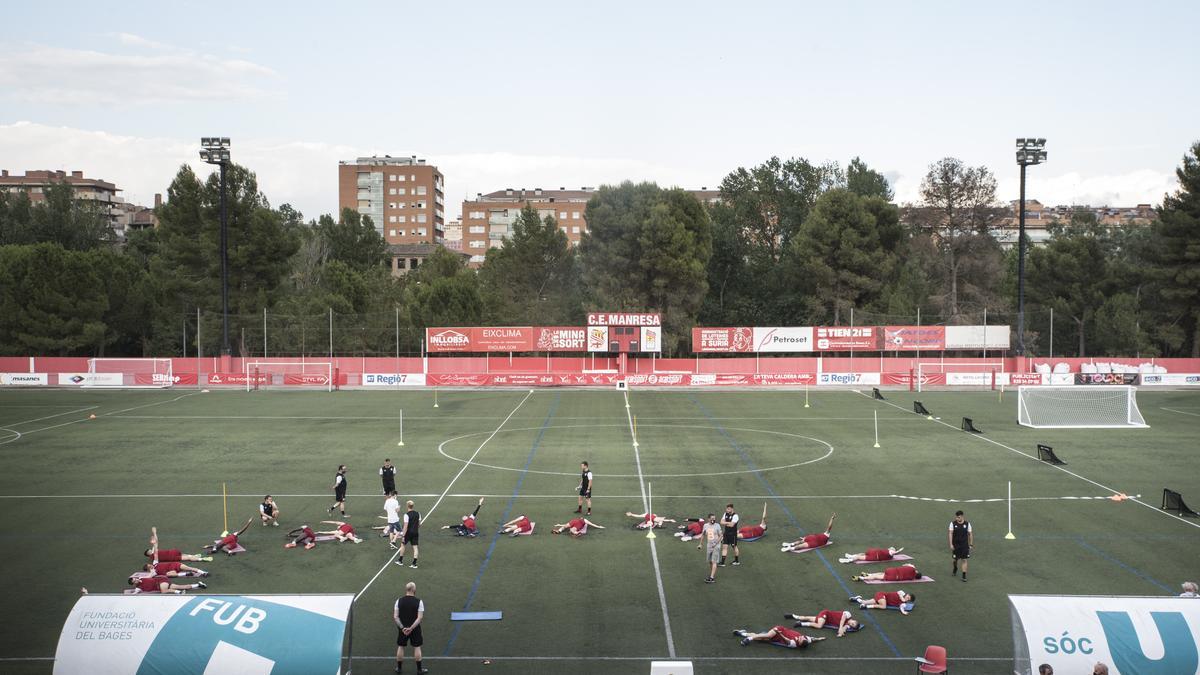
34 183
403 196
488 219
1039 218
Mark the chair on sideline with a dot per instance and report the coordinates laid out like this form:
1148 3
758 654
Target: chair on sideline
934 660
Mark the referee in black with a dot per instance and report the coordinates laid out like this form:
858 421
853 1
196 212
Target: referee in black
962 540
407 613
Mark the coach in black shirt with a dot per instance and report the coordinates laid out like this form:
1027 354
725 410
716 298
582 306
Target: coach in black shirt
388 473
407 613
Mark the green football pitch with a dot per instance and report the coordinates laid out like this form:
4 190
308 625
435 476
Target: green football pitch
80 496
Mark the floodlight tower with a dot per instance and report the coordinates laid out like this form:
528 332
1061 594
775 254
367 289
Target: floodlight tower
1030 151
215 150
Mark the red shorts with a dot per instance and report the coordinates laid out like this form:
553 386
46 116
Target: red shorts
525 526
752 532
899 574
576 524
170 555
523 523
877 554
832 617
163 568
151 584
783 633
891 599
346 528
815 540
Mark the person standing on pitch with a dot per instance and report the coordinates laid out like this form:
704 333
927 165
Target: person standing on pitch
585 488
407 613
711 536
387 472
962 540
339 491
392 508
729 521
410 534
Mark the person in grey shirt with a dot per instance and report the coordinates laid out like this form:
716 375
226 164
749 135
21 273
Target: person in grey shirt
712 538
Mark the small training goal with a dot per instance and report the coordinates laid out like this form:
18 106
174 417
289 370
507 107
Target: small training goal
319 374
1079 407
129 373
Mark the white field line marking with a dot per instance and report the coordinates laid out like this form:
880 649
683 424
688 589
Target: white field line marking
392 657
84 419
475 495
904 418
445 492
39 419
1181 412
662 596
1135 500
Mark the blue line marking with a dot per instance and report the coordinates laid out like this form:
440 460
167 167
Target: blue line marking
1127 568
771 491
504 519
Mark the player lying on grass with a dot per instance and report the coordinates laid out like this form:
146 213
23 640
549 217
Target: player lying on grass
343 531
871 555
752 532
893 600
161 585
905 572
173 569
810 541
170 554
467 527
229 542
577 527
518 526
302 535
692 529
779 635
648 520
827 618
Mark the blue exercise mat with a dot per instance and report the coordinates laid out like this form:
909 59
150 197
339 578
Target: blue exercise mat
476 616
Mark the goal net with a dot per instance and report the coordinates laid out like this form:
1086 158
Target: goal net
978 374
290 373
1099 407
115 372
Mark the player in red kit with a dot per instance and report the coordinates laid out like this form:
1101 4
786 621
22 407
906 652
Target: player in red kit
229 542
905 572
753 532
810 541
521 525
827 618
170 554
691 529
343 532
576 526
778 635
173 569
467 528
161 585
302 535
893 600
648 520
871 555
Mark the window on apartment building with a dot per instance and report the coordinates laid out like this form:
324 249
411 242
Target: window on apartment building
421 189
477 214
392 177
413 178
414 262
401 219
575 230
400 178
392 232
391 219
476 229
574 215
392 191
421 232
420 217
562 215
476 244
400 233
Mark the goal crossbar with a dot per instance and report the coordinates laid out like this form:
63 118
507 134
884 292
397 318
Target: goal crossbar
1079 407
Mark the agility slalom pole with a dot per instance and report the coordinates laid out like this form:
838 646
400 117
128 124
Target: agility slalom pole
876 428
650 510
225 508
635 441
1010 534
435 397
806 396
401 443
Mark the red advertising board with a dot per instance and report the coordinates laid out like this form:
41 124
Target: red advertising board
296 379
910 379
846 338
900 338
624 319
238 378
722 340
162 379
477 339
560 339
1024 378
448 339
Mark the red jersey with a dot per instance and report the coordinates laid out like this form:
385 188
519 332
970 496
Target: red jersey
649 518
752 532
308 532
902 573
783 635
469 522
576 524
164 567
151 584
877 554
695 529
892 599
523 523
815 540
346 528
833 617
229 541
170 555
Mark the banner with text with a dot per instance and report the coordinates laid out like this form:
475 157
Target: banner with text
393 379
560 339
624 319
977 337
1171 379
911 338
24 379
163 379
780 339
707 340
1106 378
91 379
130 634
1133 635
847 338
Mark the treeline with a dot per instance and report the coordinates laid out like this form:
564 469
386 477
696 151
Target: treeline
789 243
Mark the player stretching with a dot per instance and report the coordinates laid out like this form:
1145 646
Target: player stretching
302 535
779 635
905 572
752 532
161 585
893 600
518 526
839 619
871 555
810 541
343 533
170 554
648 520
229 542
173 569
467 527
577 527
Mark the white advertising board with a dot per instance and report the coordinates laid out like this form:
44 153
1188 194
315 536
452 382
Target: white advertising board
1171 380
129 634
393 379
24 379
977 337
783 339
848 378
91 379
1133 635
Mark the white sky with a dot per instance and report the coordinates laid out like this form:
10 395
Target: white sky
570 94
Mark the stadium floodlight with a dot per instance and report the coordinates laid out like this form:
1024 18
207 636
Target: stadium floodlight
1030 152
215 150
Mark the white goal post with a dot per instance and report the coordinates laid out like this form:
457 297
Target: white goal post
980 374
293 373
130 373
1079 407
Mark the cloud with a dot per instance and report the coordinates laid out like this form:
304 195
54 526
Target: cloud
1139 186
153 73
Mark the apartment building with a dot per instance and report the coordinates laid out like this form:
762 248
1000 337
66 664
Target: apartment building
1039 218
402 195
488 219
34 183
